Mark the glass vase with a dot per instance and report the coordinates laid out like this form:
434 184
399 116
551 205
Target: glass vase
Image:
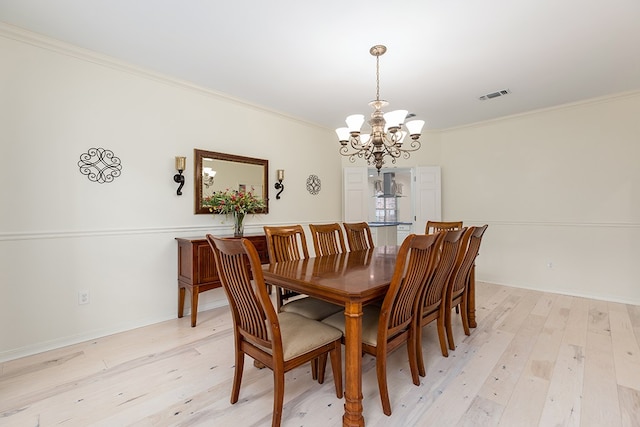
238 224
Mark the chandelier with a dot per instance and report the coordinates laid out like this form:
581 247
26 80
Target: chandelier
387 133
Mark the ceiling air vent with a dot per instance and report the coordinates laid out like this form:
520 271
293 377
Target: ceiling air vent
494 94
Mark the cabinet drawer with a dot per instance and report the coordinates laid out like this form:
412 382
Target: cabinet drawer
260 242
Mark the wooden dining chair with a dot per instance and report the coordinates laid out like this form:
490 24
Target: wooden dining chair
436 226
358 236
279 341
288 243
387 327
434 293
285 243
458 286
327 239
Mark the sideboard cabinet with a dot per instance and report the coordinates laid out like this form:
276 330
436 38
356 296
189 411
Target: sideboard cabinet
197 268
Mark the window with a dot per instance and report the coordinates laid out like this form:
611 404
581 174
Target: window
386 210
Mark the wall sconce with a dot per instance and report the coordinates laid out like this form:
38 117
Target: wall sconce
279 185
181 164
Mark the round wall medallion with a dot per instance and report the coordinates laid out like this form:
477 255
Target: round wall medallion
313 184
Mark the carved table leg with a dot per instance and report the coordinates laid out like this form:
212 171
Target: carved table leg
353 366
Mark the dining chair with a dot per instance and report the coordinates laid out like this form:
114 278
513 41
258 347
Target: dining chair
435 226
288 243
327 239
358 236
279 341
387 327
433 296
458 287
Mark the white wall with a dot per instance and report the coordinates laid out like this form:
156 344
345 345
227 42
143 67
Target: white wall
559 186
61 233
560 190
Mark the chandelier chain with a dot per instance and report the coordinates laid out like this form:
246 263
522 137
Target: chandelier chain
378 78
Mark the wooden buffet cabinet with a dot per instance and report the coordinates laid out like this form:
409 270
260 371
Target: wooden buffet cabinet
197 269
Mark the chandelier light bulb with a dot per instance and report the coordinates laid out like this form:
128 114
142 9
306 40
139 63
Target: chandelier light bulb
395 119
415 127
354 122
343 134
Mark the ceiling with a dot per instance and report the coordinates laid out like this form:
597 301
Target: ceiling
311 60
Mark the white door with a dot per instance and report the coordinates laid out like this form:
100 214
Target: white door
427 197
355 190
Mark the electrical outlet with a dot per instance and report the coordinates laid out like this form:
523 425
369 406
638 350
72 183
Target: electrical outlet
83 297
549 264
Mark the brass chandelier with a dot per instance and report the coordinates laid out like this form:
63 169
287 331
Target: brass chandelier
388 130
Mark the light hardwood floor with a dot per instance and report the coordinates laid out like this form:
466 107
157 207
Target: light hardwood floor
536 359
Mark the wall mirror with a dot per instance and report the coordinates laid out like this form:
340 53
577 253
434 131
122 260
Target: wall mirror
220 171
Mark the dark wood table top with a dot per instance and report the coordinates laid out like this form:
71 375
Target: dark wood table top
352 276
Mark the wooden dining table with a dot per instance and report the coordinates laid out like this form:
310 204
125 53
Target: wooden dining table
351 279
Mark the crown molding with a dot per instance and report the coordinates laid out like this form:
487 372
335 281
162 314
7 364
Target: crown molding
44 42
568 106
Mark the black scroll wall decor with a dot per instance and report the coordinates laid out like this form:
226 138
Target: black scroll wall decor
100 165
313 184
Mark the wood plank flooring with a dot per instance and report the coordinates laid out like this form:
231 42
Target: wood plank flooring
536 359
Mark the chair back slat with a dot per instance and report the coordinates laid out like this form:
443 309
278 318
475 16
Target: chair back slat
435 289
358 236
415 263
327 239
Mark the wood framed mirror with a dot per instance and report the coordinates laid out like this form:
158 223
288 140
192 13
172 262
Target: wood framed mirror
220 172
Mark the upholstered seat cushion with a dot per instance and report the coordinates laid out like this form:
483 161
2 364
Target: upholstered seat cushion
311 308
370 316
301 335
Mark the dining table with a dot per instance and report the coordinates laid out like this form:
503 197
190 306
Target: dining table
353 280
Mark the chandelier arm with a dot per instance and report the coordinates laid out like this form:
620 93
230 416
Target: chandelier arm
355 144
361 153
368 154
354 148
344 150
391 147
415 145
393 151
352 155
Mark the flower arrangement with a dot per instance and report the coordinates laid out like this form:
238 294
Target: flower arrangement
236 203
230 202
